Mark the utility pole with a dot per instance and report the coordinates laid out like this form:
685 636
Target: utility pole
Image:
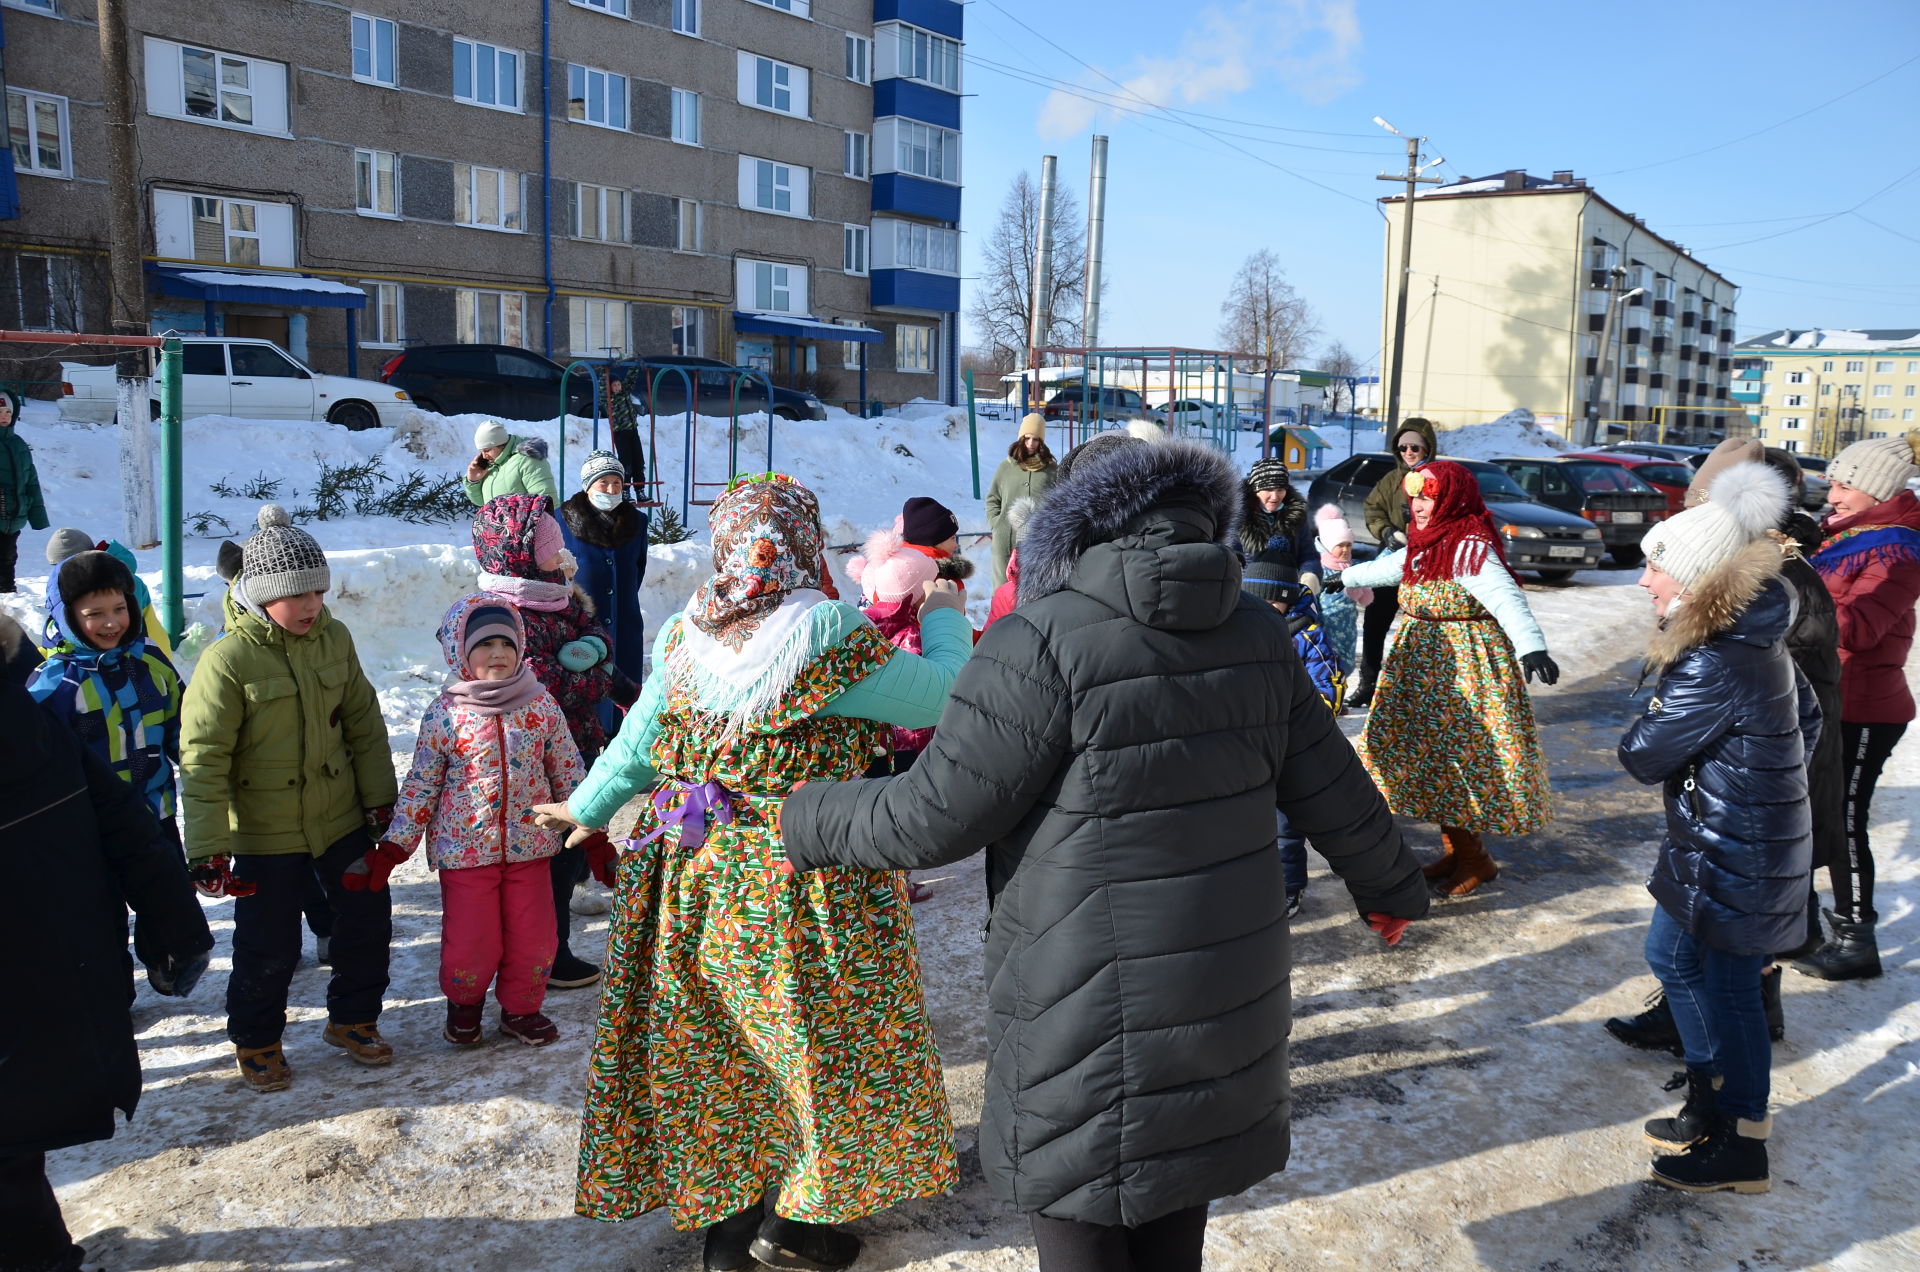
1590 428
1413 178
1096 243
127 284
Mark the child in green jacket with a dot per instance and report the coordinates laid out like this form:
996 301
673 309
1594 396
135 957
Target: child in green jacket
20 502
284 771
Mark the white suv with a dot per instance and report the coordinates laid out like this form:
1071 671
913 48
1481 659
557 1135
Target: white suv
252 379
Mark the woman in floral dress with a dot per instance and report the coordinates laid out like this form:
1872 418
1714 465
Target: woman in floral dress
1451 739
760 1030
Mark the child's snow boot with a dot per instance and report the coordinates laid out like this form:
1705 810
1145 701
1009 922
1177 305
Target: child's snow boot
729 1242
1472 868
264 1068
804 1247
362 1042
463 1024
530 1027
1690 1125
1652 1030
1732 1156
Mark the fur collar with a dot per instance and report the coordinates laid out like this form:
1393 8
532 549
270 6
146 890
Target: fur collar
599 529
1715 604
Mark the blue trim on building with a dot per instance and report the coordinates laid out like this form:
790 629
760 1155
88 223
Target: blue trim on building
916 289
913 100
802 328
942 17
916 196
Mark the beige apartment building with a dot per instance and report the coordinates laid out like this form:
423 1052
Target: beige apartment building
771 182
1817 390
1511 279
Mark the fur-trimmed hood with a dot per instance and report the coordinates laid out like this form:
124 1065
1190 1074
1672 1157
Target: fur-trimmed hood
599 529
1741 599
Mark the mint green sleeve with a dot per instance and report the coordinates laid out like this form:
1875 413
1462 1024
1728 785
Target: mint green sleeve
623 769
1382 571
911 690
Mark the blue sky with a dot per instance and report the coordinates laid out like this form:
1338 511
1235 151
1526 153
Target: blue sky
1537 84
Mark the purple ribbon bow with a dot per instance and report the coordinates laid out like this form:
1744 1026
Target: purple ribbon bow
691 813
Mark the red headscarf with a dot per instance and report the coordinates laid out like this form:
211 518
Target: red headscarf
1461 532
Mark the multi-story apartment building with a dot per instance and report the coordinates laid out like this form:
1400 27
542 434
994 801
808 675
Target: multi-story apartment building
1511 279
774 182
1815 391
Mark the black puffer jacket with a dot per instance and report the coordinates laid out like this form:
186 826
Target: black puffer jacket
1118 745
1285 527
1727 733
1814 643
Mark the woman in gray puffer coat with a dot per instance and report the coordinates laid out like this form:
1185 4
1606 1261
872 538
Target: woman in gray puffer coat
1118 745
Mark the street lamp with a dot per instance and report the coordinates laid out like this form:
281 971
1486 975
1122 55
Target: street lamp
1413 176
1590 433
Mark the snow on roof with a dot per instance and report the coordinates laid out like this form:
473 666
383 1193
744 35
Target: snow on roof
1494 184
1862 339
279 282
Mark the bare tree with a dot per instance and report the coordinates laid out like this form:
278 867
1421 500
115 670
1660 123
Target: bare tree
1002 308
1340 366
1264 317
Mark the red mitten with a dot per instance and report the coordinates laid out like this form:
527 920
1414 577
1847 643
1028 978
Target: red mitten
213 877
1389 928
602 856
369 874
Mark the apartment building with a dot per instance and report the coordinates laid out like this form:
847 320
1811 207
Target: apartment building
1512 276
1816 390
771 182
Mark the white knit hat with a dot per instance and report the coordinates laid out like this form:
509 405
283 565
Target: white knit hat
598 464
1880 467
491 433
1746 501
281 559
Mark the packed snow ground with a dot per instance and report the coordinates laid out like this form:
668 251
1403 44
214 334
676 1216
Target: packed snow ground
1457 1104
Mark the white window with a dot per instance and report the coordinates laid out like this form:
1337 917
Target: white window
383 323
1913 368
1883 368
198 227
598 328
618 8
374 40
1883 390
600 213
1796 377
1908 391
853 249
686 225
769 287
1827 365
486 75
771 85
1792 422
489 317
913 349
47 290
210 87
688 322
486 197
1881 413
686 16
686 117
917 149
780 188
1906 413
1791 445
798 8
1602 256
596 97
850 351
376 186
1795 399
911 245
929 57
859 59
37 129
1857 365
857 155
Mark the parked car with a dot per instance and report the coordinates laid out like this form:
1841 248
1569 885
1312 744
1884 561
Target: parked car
1815 488
658 384
1670 477
1607 495
484 379
1079 401
1545 540
1691 456
252 379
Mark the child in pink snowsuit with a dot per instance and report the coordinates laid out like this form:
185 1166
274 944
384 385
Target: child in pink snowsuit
491 746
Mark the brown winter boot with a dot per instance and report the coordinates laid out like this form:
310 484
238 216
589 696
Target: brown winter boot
362 1042
1449 858
1473 868
264 1068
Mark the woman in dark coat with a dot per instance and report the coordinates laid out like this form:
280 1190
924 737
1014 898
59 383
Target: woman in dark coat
1118 744
608 537
1274 515
80 845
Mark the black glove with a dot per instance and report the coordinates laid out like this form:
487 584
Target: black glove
1332 583
1540 667
623 691
175 977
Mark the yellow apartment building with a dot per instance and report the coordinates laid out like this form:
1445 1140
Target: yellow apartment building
1512 276
1814 391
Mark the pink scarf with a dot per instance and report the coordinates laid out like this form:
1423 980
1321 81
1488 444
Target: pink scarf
497 697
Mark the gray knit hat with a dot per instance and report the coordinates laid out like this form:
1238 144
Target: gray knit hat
281 559
1881 467
62 544
598 464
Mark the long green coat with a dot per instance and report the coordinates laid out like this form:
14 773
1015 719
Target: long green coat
282 746
1010 484
520 469
20 502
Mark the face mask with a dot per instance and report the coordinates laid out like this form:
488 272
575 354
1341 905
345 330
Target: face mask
603 501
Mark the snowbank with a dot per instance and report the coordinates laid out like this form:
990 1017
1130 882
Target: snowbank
1514 433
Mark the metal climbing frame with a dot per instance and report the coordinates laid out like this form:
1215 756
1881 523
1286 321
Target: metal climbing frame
1188 373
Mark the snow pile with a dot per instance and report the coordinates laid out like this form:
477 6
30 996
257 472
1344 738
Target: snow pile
1514 433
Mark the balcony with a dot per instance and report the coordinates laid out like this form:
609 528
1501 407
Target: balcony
916 196
942 17
1688 318
910 99
1636 335
1723 364
1596 322
1656 381
915 289
1661 308
1659 344
1633 375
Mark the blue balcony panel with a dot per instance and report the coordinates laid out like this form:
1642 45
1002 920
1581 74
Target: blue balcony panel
916 196
915 100
915 289
942 17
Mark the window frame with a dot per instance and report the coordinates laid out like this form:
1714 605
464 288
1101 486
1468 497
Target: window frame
765 177
377 291
45 8
586 76
47 263
1855 365
680 220
907 57
1883 366
923 340
608 7
63 128
177 53
374 23
362 153
688 11
472 297
692 318
583 306
904 133
472 48
1796 377
859 50
600 197
758 71
856 144
856 249
797 8
519 186
683 107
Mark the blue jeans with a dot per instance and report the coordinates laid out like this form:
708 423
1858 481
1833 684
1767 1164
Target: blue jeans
1293 856
1715 997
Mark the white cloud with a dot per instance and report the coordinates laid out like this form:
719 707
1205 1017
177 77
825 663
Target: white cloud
1308 47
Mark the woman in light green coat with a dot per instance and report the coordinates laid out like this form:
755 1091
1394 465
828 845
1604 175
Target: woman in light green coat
508 465
1025 473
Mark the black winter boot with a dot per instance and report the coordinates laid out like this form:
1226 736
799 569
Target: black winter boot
1770 1003
1690 1125
1852 954
1652 1030
1732 1156
794 1246
1361 695
728 1240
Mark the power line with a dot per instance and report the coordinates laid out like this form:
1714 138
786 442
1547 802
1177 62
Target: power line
1900 180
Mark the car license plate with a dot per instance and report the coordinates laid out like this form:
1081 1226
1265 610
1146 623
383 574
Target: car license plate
1628 518
1569 551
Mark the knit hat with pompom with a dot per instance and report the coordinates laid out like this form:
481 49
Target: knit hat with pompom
1746 500
888 569
1880 466
280 559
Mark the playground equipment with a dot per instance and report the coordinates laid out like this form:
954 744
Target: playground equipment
1179 373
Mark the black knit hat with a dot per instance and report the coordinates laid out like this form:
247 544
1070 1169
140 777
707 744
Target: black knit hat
1272 576
1267 474
927 523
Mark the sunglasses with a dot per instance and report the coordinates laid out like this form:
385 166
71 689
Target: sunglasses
1412 450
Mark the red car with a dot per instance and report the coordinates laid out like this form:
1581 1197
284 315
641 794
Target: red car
1668 476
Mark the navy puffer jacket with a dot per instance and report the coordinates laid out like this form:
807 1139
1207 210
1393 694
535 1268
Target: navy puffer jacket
1728 734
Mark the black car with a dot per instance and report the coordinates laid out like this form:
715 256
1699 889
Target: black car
1545 540
1084 401
502 380
1608 495
660 384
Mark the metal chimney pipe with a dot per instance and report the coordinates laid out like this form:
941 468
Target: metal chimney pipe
1096 241
1040 313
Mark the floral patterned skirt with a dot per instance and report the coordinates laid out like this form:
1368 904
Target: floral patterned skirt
1451 739
760 1030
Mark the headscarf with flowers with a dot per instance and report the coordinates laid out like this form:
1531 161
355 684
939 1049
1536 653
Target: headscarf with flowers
767 542
1460 534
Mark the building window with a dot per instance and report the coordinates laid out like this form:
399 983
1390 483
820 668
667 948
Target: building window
1883 390
1908 391
198 227
929 57
488 317
373 49
686 333
850 354
486 197
1881 413
598 328
859 59
37 129
1913 368
376 183
798 8
384 324
857 155
686 16
774 86
766 186
1827 365
922 150
1791 445
32 6
1602 256
1796 377
597 97
618 8
686 225
210 87
1826 390
599 213
1793 422
853 249
910 245
913 349
1857 365
1795 399
47 291
1906 413
686 117
770 287
486 75
1883 368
